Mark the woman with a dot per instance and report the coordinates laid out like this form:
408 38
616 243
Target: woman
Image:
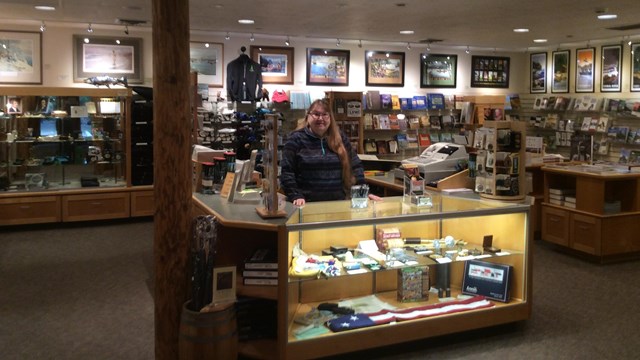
318 162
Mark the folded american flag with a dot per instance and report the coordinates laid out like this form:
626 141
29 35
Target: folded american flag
357 321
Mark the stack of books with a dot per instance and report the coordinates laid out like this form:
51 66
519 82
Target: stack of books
261 268
563 197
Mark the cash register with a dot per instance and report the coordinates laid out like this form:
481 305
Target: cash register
439 160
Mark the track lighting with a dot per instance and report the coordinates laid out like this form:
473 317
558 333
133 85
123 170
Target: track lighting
118 41
206 45
338 43
227 37
252 39
126 29
428 47
86 40
89 29
467 50
287 42
408 46
43 27
360 43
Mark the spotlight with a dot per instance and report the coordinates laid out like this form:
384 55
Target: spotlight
126 29
287 42
428 47
89 29
206 45
360 43
338 43
118 41
86 40
43 27
227 37
408 46
467 50
252 39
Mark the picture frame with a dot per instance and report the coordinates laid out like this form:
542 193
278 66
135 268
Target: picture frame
277 63
635 67
13 106
327 67
560 66
224 284
384 68
611 69
438 70
538 71
585 69
490 71
26 46
206 59
107 56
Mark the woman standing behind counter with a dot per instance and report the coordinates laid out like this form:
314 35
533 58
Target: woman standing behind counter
318 162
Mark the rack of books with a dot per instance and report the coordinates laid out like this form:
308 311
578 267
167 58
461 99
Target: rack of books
261 268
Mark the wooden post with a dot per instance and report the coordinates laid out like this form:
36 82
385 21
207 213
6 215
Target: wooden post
172 173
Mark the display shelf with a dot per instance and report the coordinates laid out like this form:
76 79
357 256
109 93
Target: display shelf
347 111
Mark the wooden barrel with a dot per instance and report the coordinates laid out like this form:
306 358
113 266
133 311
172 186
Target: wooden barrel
209 335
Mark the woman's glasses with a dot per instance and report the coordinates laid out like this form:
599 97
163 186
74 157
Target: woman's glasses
318 115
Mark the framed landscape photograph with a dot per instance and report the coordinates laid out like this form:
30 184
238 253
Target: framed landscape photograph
489 71
327 67
585 69
110 56
438 70
538 71
206 60
635 67
560 71
21 60
384 68
611 70
276 63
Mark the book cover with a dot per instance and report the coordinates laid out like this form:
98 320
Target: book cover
514 101
594 124
385 101
383 121
260 273
603 123
264 258
373 100
434 135
414 122
402 141
435 101
435 122
395 102
551 122
603 146
393 122
424 140
537 103
406 103
260 281
419 102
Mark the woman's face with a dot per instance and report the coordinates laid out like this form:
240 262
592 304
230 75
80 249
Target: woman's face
319 120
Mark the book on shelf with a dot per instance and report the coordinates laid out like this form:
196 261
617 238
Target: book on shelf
385 101
556 202
603 145
551 122
537 103
424 140
263 258
414 122
403 143
406 103
631 136
419 102
248 273
603 123
435 122
435 101
260 281
514 101
393 122
373 100
395 102
562 191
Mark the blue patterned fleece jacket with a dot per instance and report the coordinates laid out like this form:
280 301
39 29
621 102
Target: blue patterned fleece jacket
310 170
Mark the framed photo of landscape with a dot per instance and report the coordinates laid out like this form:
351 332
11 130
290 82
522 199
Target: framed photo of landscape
21 60
611 69
538 71
438 70
585 69
327 67
276 63
490 71
560 71
104 55
206 60
384 68
635 67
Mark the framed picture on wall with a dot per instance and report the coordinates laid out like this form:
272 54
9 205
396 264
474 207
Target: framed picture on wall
327 67
611 70
110 56
490 71
585 69
276 63
384 68
560 71
206 59
635 67
21 58
538 71
438 70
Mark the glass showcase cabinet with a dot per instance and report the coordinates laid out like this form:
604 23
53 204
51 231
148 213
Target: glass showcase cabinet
299 331
64 154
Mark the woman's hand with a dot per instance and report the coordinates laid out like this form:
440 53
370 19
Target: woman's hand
298 202
374 197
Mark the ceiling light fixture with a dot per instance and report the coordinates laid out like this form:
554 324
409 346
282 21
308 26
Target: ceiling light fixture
252 39
408 46
338 42
539 40
467 50
43 27
246 21
287 42
89 29
607 16
206 45
360 43
406 32
44 7
521 30
227 37
126 29
428 47
118 41
86 40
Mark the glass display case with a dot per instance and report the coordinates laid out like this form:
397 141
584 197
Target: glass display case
61 139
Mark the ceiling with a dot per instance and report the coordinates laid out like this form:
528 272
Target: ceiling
481 24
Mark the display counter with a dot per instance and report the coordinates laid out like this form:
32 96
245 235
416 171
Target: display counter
323 225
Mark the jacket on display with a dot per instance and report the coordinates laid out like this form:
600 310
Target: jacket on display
244 79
